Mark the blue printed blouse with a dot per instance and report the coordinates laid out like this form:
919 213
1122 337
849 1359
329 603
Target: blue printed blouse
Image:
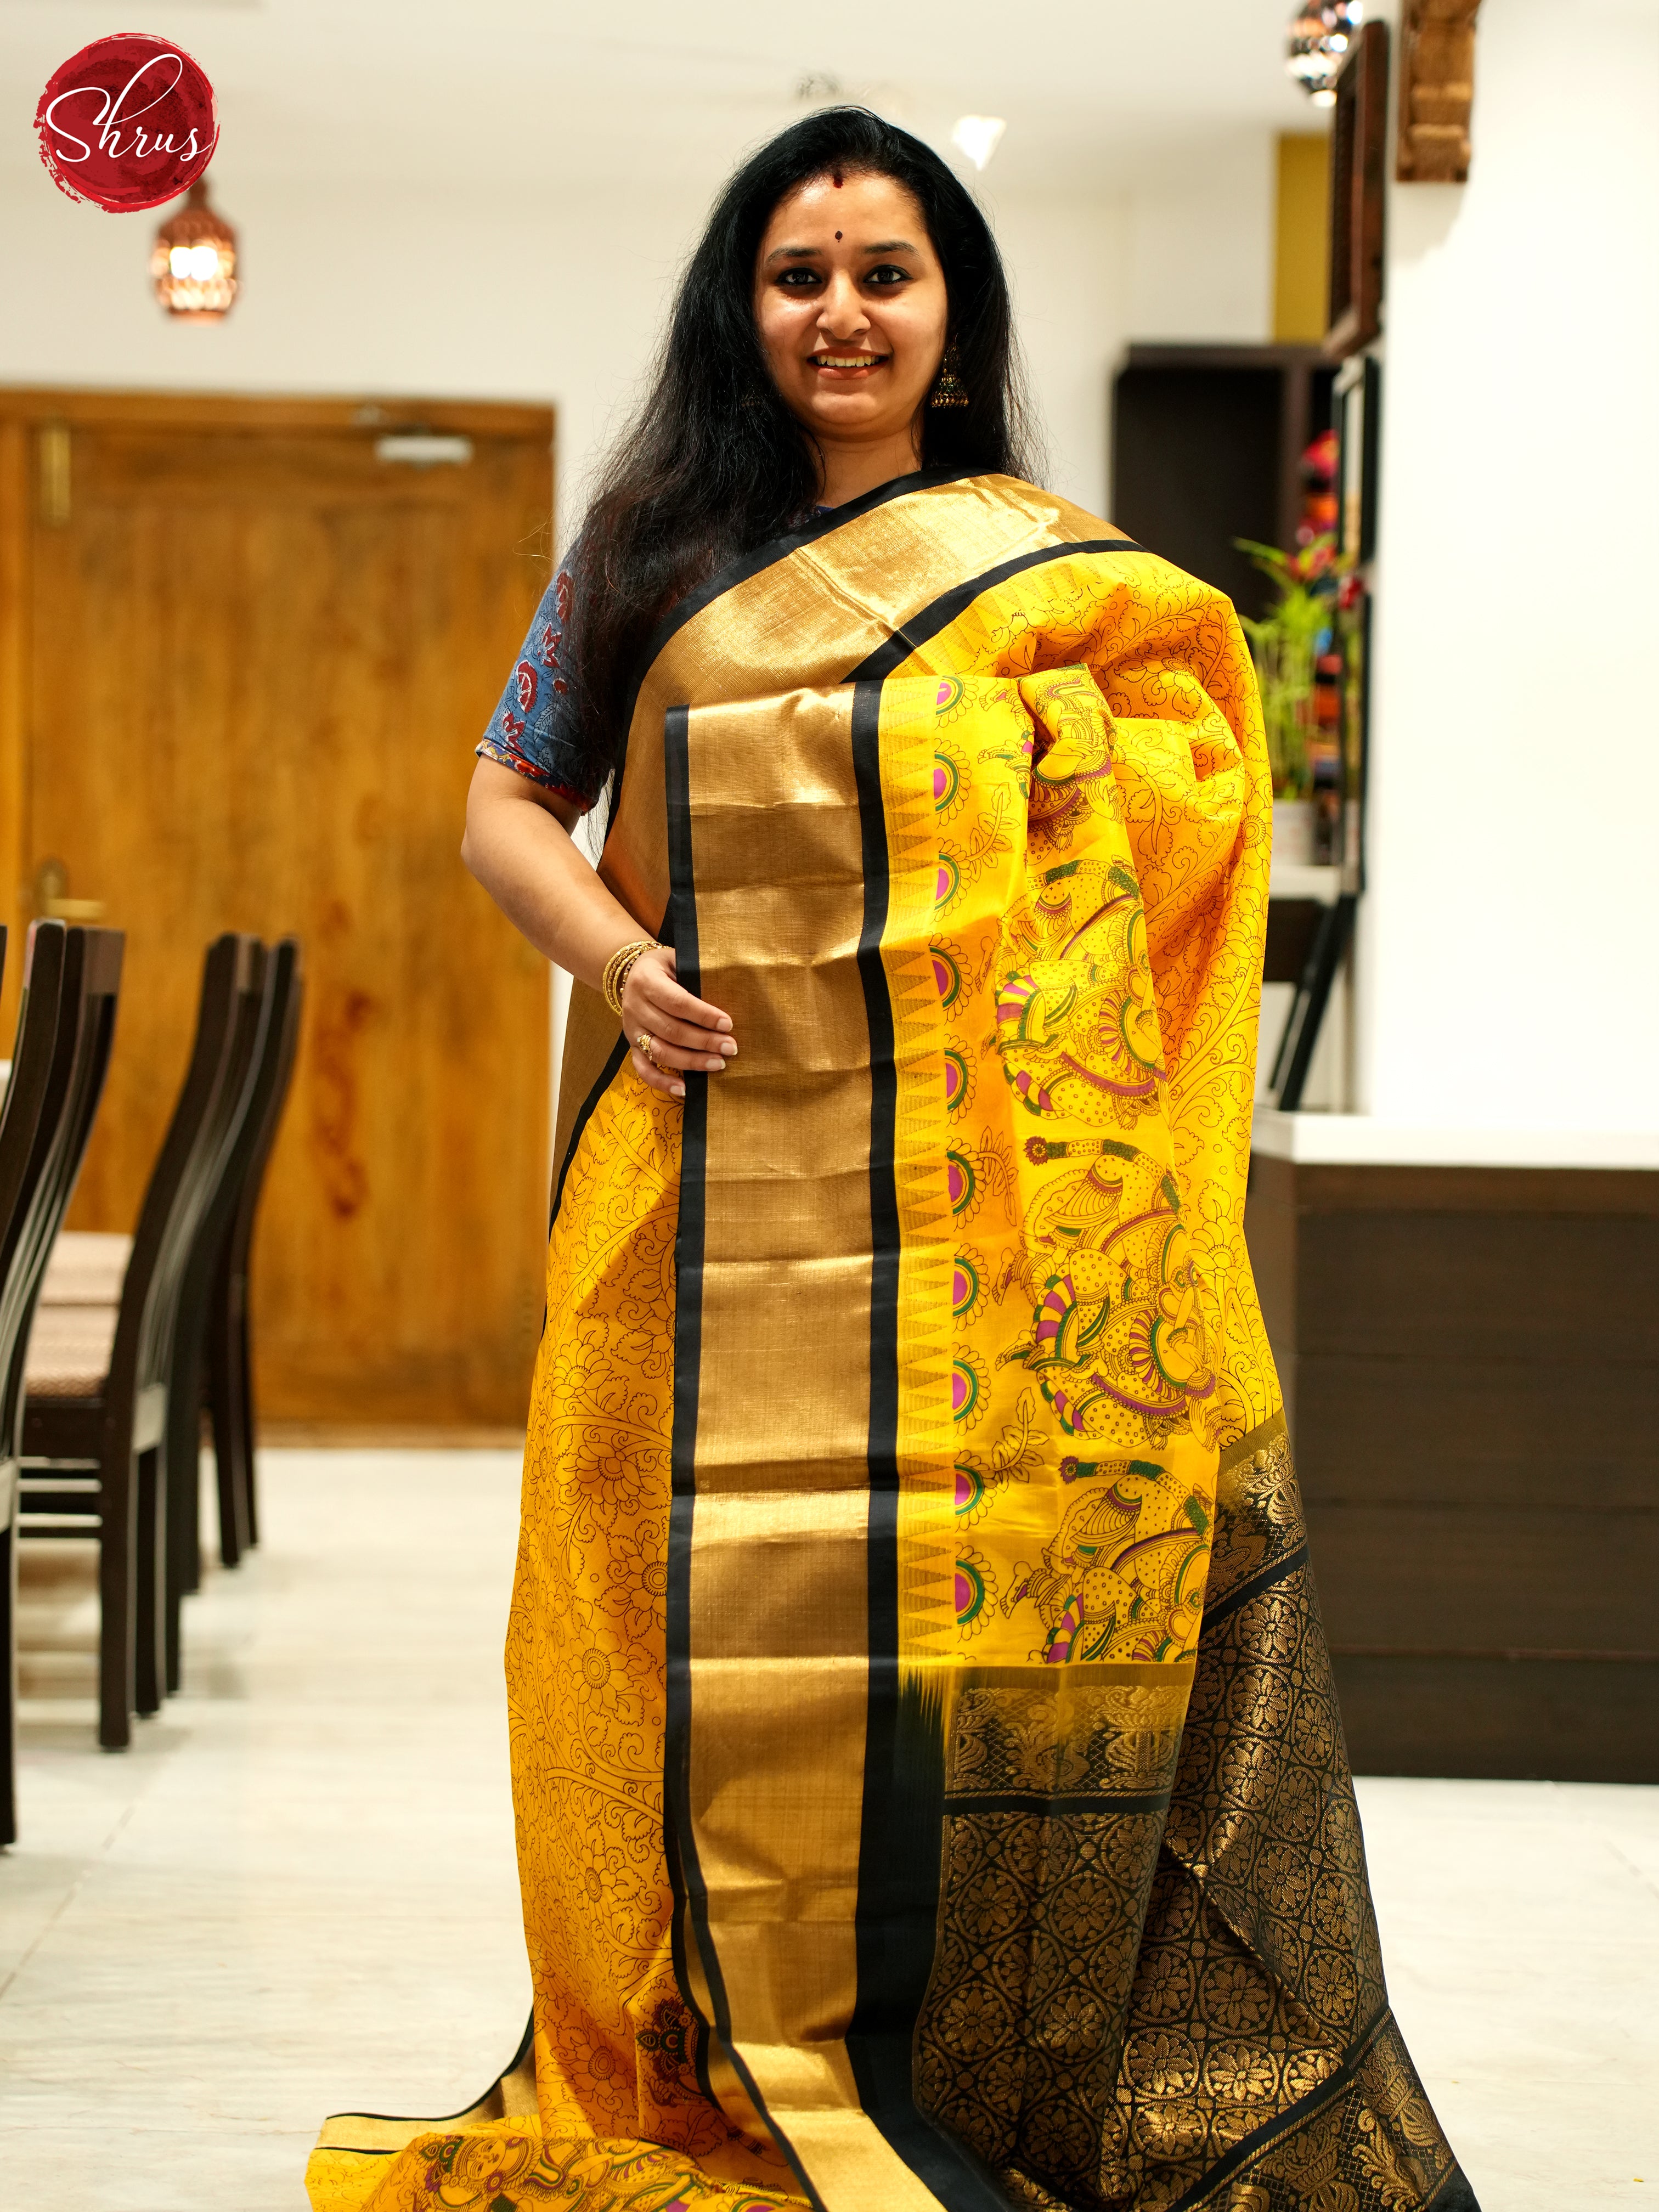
533 730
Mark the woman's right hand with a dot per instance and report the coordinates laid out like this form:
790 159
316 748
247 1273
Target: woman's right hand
686 1034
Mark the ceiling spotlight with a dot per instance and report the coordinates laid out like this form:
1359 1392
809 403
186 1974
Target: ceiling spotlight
977 136
1322 31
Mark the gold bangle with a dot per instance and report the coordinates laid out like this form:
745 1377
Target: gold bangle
619 967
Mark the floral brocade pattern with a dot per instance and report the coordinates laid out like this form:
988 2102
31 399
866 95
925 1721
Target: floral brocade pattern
1087 1400
508 2165
586 1655
1166 656
1139 2009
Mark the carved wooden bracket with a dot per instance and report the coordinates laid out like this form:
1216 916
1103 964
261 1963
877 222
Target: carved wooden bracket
1437 88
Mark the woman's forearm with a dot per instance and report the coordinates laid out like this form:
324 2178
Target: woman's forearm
518 846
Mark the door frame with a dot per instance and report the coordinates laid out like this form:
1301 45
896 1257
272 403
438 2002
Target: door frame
29 412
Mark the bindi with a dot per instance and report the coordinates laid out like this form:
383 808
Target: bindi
838 238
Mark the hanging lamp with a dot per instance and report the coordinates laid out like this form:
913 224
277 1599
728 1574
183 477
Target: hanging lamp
194 260
1322 31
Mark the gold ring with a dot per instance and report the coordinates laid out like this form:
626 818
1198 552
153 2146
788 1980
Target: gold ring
645 1043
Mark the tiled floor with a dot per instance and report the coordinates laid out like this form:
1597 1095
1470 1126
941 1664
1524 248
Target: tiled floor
297 1891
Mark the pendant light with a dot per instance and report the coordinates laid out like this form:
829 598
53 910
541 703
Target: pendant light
194 261
1322 31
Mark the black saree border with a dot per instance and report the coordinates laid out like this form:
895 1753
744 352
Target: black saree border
1451 2193
685 1872
1057 1805
1252 1585
938 614
1282 2124
606 1077
902 1824
527 2046
764 556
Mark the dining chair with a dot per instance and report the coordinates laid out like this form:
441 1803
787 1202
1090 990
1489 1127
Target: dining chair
85 1034
88 1268
66 1023
227 1363
94 1427
198 1258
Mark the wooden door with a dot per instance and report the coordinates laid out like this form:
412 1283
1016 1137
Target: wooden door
248 649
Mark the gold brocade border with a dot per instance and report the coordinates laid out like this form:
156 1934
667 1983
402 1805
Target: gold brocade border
926 1533
778 1749
773 1432
816 605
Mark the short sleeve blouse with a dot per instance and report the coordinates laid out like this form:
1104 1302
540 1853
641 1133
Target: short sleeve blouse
533 729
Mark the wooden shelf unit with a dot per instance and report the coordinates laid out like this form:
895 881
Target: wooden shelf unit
1207 446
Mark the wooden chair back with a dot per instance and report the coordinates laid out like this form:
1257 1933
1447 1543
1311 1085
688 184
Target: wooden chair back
281 1042
170 1353
128 1414
229 1383
81 1053
227 1292
21 1161
228 1186
144 1329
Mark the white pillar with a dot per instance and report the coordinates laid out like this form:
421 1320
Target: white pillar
1509 950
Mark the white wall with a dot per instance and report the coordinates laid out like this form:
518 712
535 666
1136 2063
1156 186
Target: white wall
1508 941
474 291
1201 240
1067 261
446 292
525 292
1184 254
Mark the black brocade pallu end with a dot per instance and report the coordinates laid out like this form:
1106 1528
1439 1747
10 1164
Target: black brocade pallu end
1140 2010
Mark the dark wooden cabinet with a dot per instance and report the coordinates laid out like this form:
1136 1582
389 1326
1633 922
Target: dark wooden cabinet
1206 447
1470 1361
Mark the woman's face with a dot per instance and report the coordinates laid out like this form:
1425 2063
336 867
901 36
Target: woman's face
851 306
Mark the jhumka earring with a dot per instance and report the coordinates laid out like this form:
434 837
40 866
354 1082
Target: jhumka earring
949 392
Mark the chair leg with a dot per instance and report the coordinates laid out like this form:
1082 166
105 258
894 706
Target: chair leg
242 1354
230 1504
181 1477
8 1657
230 1404
191 1551
117 1626
183 1456
219 1369
150 1585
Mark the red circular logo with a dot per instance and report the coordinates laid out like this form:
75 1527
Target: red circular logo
127 122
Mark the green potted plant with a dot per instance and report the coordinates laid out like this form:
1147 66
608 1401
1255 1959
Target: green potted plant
1285 644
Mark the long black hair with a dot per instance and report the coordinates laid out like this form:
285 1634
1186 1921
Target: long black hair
714 463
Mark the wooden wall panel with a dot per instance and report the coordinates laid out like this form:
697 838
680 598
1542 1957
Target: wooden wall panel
1471 1363
1560 1720
1577 1577
1565 1289
1448 1433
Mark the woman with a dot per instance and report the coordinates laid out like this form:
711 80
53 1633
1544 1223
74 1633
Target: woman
930 1788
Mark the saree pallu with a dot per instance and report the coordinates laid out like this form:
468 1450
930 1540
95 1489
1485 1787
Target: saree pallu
929 1783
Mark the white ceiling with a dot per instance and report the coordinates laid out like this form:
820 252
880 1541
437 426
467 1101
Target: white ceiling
516 91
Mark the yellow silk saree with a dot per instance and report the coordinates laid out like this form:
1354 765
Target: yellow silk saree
929 1784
